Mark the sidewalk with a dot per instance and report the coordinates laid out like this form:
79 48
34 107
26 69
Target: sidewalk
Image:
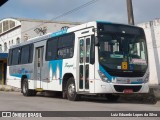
8 88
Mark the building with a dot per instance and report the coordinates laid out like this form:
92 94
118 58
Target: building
152 31
16 30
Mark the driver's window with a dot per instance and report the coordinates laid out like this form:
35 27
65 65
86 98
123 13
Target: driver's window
110 46
116 48
134 50
142 50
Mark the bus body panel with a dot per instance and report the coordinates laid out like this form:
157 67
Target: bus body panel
49 75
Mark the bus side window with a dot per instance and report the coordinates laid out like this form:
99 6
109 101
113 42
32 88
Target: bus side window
31 53
51 52
60 47
10 57
24 54
15 56
65 46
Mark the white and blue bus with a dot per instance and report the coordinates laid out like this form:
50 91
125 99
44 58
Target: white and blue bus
89 59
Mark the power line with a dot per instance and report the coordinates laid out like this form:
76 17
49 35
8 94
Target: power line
67 13
76 9
62 15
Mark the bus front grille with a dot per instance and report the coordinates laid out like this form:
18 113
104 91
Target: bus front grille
121 88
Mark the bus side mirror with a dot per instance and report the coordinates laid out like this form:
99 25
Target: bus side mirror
96 41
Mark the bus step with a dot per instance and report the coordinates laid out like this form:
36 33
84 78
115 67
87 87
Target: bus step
39 89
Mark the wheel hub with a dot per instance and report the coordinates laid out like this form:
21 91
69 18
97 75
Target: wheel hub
24 88
71 89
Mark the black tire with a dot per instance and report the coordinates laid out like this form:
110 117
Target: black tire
71 90
112 98
25 90
64 94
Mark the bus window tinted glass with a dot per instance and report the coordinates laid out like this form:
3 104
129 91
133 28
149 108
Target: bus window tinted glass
25 54
31 53
66 46
60 48
10 57
15 56
51 49
21 55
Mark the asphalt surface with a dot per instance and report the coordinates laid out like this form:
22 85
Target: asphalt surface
15 101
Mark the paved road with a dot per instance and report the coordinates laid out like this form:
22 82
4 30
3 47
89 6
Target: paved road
15 101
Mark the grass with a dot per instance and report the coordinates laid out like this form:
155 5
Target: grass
6 89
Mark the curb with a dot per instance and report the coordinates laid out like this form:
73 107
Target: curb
151 98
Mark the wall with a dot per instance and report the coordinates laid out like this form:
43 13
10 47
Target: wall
25 29
28 28
152 31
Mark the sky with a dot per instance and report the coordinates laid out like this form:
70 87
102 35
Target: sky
106 10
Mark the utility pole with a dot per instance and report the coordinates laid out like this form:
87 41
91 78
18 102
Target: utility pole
130 12
3 2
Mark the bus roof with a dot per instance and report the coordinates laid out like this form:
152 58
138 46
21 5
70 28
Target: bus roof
61 32
33 40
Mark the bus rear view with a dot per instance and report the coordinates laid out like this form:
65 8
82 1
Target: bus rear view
122 59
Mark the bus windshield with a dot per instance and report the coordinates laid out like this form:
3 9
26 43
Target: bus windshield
122 45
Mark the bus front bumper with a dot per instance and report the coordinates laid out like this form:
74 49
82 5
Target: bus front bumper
104 87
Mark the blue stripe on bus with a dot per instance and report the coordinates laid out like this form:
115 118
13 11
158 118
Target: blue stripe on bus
20 75
59 33
107 22
56 64
110 78
136 82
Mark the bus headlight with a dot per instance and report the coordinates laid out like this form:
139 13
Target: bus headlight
146 79
103 77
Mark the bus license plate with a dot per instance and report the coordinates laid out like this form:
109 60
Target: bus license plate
128 91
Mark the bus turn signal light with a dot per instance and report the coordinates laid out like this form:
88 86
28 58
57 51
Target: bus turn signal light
124 65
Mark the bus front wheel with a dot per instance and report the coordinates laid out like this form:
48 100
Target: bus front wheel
71 90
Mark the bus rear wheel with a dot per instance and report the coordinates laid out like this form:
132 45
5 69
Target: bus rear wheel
25 90
71 90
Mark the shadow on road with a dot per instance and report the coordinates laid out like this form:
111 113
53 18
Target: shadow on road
128 98
123 99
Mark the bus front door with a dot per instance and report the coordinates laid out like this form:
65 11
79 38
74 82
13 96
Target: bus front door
84 66
38 67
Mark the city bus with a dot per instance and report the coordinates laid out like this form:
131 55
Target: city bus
95 58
